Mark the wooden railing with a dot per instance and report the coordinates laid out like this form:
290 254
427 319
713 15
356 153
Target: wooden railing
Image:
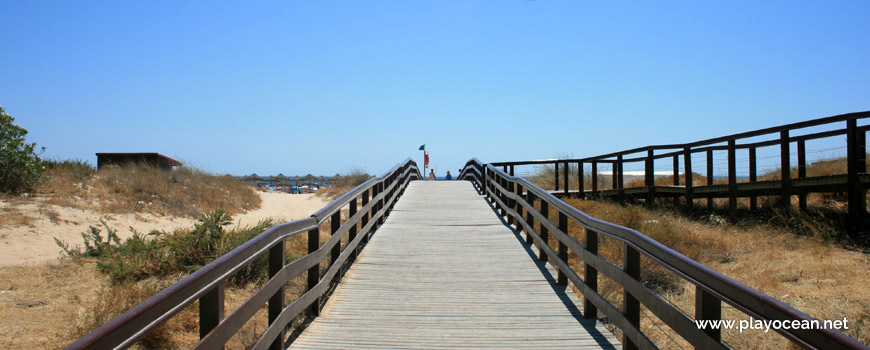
368 204
855 182
515 198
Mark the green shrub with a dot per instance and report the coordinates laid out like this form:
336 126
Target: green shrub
20 166
162 254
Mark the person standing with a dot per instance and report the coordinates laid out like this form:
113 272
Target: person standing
432 175
448 177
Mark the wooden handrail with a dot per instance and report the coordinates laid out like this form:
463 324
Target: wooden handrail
206 284
712 286
854 182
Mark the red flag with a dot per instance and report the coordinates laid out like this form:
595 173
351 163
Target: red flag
426 159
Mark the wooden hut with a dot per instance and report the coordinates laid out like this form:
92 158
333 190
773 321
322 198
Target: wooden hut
120 159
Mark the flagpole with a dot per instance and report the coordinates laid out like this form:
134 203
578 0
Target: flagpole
423 148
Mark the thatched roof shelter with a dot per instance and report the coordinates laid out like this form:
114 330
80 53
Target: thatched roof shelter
252 177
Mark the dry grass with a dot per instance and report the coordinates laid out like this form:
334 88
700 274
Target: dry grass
12 217
142 188
36 317
805 260
822 279
81 299
344 184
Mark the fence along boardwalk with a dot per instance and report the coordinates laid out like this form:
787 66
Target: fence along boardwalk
445 272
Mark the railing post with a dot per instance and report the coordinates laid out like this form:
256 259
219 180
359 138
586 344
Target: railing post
709 177
562 278
594 179
676 178
334 225
690 183
510 202
802 171
365 218
545 234
785 164
381 203
488 191
614 177
211 309
856 162
276 302
753 177
376 189
708 307
630 304
500 195
566 172
557 175
530 219
351 233
650 178
512 170
861 146
732 176
482 172
580 178
314 271
619 178
590 278
518 206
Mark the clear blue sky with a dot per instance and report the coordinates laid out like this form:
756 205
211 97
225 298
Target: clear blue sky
323 87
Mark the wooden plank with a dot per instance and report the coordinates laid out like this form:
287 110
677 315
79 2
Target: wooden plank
444 271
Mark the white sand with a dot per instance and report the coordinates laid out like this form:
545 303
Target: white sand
24 245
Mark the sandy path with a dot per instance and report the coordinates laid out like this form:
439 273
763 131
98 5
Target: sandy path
34 243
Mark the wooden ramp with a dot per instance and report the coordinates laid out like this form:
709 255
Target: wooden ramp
444 271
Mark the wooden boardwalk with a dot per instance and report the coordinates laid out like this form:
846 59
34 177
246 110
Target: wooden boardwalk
444 271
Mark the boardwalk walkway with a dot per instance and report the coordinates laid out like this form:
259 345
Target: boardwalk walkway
445 272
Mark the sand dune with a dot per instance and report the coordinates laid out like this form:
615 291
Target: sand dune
33 242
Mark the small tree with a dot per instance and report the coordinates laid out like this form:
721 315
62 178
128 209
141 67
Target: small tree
20 166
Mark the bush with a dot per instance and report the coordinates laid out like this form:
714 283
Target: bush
20 166
162 254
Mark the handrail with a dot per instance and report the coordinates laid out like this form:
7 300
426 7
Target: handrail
742 135
853 182
514 195
206 285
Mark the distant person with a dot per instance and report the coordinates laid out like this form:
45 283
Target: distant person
432 175
448 177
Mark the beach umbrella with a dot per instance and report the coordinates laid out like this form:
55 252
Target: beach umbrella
308 178
252 178
335 178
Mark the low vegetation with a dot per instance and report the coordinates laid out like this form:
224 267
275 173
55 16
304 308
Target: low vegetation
344 184
162 254
134 270
143 188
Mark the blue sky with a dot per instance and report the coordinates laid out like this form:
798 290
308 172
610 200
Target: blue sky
324 87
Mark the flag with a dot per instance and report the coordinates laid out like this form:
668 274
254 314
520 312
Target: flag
423 147
426 159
